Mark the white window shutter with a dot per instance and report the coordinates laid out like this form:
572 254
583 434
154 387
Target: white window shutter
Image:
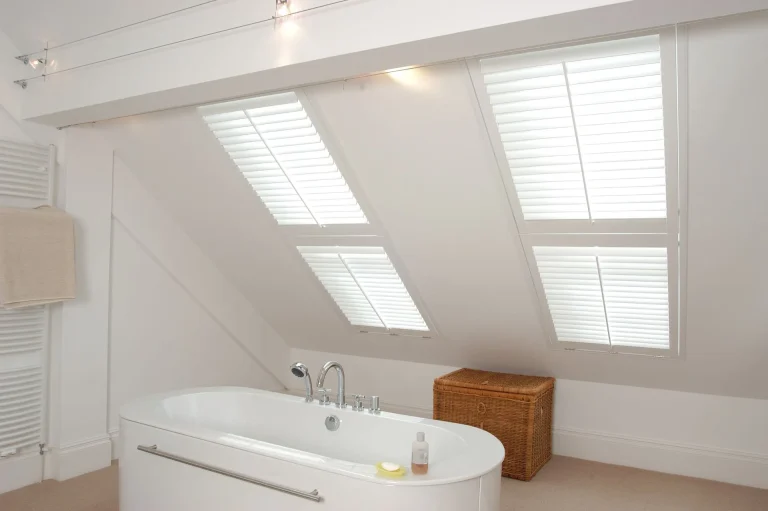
635 284
338 280
583 129
365 285
277 148
571 282
535 122
607 295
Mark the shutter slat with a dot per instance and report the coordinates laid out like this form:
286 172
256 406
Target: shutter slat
637 307
616 102
365 285
572 278
275 145
607 294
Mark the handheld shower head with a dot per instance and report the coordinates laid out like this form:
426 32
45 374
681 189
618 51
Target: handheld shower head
301 371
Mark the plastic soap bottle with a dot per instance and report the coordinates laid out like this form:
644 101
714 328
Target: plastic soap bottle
420 455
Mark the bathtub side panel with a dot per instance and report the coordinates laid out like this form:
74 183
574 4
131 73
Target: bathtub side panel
490 490
152 483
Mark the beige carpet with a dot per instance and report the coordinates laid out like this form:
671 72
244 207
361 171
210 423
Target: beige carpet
564 484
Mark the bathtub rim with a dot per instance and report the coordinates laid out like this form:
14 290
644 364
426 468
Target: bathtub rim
488 456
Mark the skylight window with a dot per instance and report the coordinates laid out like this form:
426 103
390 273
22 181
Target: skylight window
583 129
586 137
365 286
613 296
274 143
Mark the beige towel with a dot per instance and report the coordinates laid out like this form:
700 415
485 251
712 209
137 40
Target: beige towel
37 257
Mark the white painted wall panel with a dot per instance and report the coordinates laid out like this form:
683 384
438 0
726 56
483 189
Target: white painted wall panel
79 399
163 338
162 238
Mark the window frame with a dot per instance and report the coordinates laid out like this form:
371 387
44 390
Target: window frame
669 232
613 240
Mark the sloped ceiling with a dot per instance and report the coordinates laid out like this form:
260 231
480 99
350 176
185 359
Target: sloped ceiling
414 147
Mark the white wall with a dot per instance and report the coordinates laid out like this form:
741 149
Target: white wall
9 128
697 435
80 360
153 313
175 320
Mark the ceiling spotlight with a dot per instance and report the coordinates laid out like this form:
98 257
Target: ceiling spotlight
27 61
282 8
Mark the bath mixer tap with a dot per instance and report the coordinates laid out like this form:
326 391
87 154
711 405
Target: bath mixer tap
358 403
301 371
341 401
322 396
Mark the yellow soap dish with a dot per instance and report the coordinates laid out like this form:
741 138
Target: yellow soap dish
380 470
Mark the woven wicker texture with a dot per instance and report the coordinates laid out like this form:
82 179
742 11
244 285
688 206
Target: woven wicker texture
515 409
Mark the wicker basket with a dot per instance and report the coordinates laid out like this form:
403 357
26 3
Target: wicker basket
515 409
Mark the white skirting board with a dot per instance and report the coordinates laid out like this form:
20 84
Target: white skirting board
19 471
80 458
114 437
687 460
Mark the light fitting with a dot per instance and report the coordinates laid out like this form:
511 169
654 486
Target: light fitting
282 8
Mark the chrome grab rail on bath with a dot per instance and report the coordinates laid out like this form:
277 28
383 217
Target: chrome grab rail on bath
152 449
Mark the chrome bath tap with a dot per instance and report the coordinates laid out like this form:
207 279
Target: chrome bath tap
341 401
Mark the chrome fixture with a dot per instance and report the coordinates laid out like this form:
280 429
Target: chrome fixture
358 404
322 396
301 371
341 401
375 408
313 495
332 423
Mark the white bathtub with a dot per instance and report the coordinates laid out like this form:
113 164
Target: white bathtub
280 440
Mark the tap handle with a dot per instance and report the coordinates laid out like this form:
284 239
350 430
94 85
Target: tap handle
322 396
358 403
375 407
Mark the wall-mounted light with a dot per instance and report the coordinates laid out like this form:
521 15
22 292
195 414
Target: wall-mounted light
282 8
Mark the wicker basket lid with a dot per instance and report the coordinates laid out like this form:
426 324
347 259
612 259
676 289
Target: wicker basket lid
499 382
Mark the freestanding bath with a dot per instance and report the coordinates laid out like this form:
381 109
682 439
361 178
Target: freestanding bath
234 449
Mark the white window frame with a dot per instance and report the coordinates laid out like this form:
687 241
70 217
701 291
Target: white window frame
608 240
669 232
